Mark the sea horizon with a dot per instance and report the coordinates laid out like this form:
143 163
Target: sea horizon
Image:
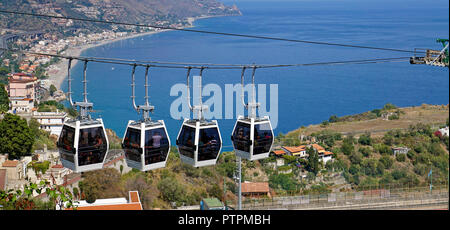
316 92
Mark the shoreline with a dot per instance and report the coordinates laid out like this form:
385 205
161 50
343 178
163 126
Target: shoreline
59 78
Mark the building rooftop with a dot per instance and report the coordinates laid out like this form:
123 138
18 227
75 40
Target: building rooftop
212 202
9 163
21 78
279 152
294 149
318 147
255 187
133 203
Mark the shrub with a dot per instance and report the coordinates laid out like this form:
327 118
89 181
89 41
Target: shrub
356 158
354 169
365 151
401 157
386 161
171 190
365 139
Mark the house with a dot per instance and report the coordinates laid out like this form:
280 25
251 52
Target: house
21 104
22 86
444 131
50 121
22 92
56 174
14 169
279 153
325 157
319 149
255 189
400 150
133 203
299 151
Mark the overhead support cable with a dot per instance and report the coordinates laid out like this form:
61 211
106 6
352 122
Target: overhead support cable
200 66
205 32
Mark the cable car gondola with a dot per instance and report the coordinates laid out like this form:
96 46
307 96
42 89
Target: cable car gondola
252 136
145 142
199 141
83 142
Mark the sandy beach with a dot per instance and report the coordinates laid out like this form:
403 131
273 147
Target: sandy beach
59 77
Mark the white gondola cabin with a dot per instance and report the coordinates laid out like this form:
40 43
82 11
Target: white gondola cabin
252 138
199 142
146 145
83 145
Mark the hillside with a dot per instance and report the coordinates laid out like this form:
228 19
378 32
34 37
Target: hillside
358 124
360 163
129 11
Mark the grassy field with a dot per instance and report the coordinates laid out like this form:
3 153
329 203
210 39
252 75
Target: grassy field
435 115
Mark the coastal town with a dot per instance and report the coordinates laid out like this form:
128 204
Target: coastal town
26 92
387 154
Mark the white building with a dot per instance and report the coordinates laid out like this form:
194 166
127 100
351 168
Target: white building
444 131
325 157
21 104
51 121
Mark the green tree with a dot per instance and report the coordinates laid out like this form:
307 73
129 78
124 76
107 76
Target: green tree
386 161
369 167
333 119
356 158
171 190
52 89
365 139
365 151
347 148
389 106
104 183
313 160
4 100
400 157
16 137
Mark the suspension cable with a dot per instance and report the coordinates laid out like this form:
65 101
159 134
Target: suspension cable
205 32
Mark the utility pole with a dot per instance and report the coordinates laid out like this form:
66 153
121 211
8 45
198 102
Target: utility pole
239 176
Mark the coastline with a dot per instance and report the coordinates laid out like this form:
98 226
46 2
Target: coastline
60 76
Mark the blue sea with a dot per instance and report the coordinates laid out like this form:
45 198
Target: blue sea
306 95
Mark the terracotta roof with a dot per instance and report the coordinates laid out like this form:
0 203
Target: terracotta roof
109 163
134 203
134 197
57 166
318 147
295 149
279 152
8 163
327 153
255 187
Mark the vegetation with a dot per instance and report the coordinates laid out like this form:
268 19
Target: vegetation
381 167
16 137
52 106
4 100
24 199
